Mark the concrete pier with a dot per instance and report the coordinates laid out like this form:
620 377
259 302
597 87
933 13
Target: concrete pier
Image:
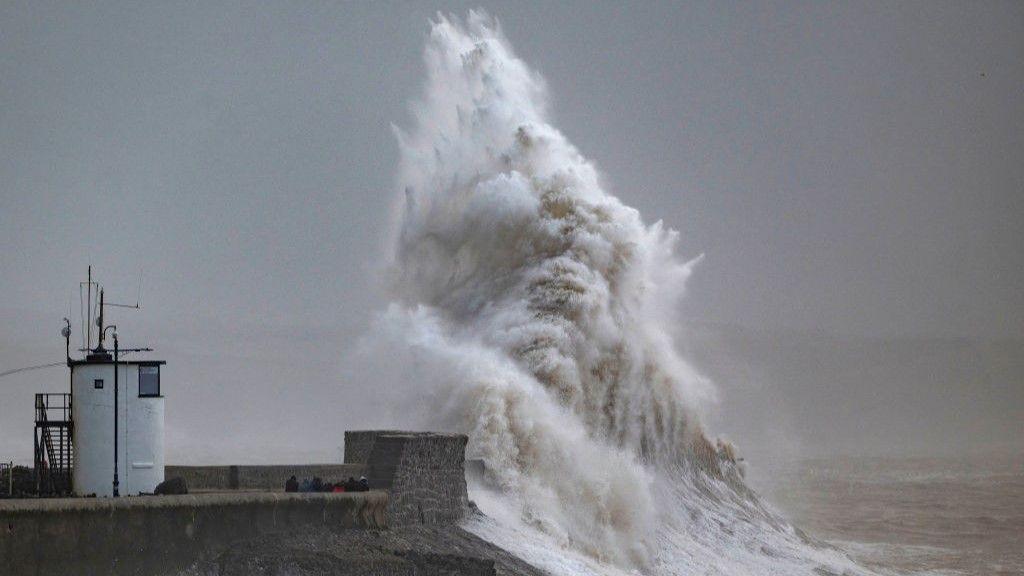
417 480
157 534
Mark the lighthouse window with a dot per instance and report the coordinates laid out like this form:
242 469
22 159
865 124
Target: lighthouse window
97 383
149 380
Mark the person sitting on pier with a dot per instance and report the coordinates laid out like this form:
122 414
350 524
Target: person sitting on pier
351 485
291 485
364 484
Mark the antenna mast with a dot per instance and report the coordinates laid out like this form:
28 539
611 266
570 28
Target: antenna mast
88 307
99 322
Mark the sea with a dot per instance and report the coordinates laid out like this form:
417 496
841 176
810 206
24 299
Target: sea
919 516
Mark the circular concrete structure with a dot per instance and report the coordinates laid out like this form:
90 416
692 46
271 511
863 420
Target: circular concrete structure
140 427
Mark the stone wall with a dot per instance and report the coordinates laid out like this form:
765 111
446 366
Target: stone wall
259 477
414 550
359 444
423 474
418 481
162 534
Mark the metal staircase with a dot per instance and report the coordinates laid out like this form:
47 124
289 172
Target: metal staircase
54 452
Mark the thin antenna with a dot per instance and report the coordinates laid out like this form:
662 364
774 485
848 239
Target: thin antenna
99 322
94 318
67 319
88 333
138 295
138 298
81 313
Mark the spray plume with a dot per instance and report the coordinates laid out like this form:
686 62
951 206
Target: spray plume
533 310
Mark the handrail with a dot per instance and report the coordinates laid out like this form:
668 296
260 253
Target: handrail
53 406
54 455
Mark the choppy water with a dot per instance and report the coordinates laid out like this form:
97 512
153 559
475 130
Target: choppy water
919 516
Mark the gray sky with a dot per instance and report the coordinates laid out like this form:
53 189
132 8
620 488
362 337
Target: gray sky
850 169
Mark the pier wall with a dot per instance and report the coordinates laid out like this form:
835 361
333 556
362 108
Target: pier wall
271 477
416 478
359 444
423 474
162 534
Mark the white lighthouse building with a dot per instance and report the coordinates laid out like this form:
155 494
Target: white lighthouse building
140 425
105 437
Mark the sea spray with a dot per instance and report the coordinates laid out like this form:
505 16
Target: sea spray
533 311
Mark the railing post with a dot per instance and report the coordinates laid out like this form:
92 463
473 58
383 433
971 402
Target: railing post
35 454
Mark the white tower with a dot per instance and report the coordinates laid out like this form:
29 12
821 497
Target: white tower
118 454
140 425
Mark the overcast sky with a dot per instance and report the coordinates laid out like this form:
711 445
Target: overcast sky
853 169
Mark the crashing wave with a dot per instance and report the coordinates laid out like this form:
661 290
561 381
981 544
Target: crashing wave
535 310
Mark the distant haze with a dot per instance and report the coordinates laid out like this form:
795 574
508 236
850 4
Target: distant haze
853 174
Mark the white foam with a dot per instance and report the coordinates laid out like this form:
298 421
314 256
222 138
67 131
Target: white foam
534 311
